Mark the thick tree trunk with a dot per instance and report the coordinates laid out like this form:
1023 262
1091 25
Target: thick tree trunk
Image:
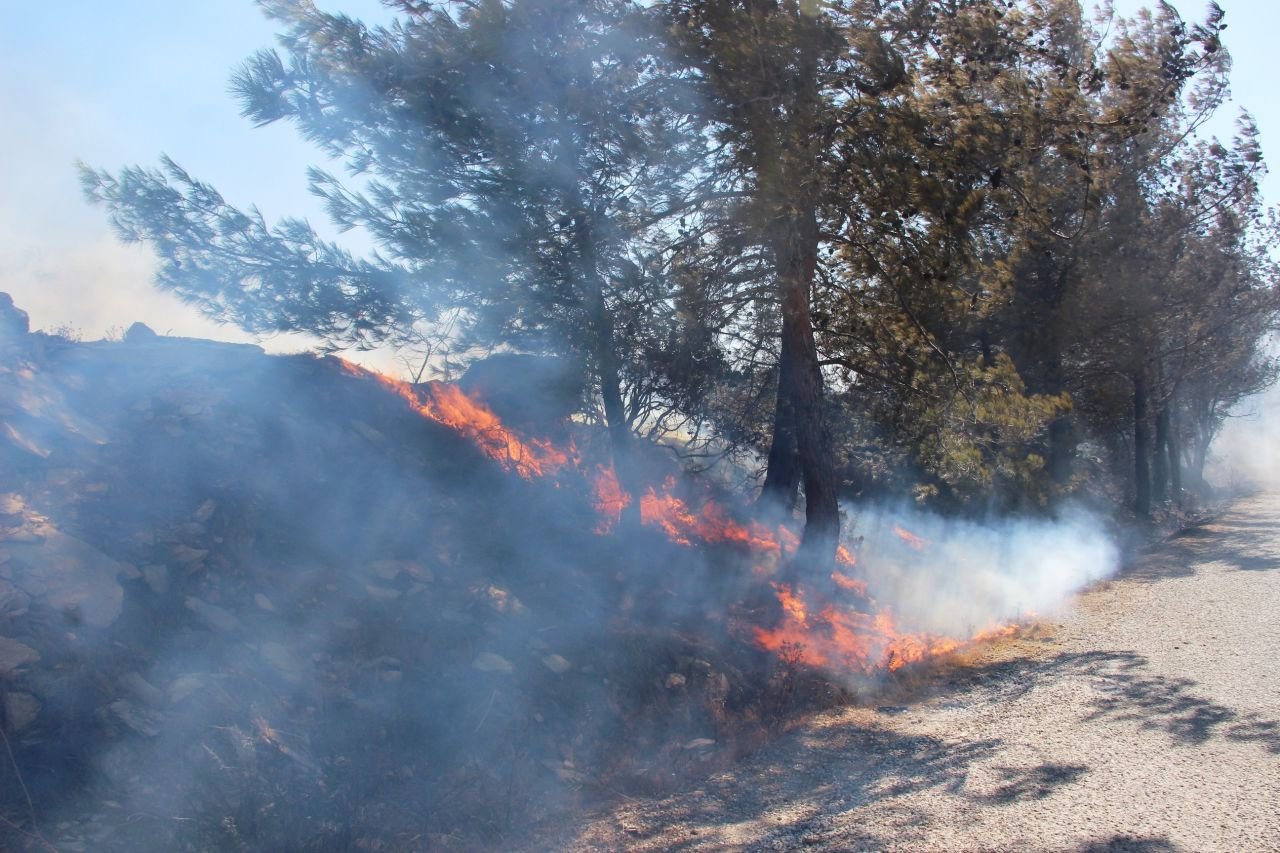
1141 449
801 382
782 474
1160 458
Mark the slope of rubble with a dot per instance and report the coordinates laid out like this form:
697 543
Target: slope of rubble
255 602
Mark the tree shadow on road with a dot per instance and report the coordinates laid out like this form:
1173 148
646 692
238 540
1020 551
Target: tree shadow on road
1035 783
1236 547
799 784
1130 844
799 790
1128 690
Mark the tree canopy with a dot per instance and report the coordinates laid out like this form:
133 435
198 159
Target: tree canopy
973 252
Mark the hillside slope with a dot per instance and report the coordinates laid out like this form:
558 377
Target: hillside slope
255 601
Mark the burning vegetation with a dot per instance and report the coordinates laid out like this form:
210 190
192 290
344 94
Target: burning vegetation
290 600
849 635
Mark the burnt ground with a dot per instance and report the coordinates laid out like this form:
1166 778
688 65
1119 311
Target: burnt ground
1146 720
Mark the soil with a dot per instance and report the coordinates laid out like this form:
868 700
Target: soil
1144 720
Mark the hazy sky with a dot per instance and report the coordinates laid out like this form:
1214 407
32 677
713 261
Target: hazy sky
118 83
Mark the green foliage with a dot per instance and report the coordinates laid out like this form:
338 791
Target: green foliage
957 236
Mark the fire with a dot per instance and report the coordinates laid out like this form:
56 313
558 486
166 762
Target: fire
836 637
610 499
910 538
711 524
446 404
849 584
849 640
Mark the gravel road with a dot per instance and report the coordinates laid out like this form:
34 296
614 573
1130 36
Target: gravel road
1146 721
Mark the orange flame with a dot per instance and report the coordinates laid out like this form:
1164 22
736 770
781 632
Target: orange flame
836 637
446 404
850 640
910 538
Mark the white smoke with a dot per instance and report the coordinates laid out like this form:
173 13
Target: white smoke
956 577
1246 452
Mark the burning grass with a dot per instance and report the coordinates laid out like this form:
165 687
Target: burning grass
333 624
851 636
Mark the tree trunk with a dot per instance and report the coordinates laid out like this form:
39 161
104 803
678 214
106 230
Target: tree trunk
1141 449
782 474
801 382
619 432
609 369
1062 451
796 261
1173 450
1160 457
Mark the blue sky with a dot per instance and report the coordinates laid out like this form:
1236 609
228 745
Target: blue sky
116 83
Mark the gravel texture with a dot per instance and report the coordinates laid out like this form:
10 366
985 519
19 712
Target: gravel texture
1146 720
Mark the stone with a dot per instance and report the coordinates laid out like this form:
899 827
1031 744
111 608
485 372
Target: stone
156 577
70 575
139 333
556 664
141 689
20 710
141 721
205 511
184 685
14 654
489 662
212 615
15 325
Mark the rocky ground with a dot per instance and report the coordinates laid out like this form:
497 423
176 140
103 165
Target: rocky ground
251 602
1144 721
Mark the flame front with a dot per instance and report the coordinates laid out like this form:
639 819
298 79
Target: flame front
447 405
837 637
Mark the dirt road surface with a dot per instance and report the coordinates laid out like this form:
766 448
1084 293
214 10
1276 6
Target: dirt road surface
1148 720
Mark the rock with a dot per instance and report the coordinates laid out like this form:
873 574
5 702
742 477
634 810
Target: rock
700 743
141 721
187 555
20 710
139 333
205 511
141 689
675 681
417 571
70 575
382 593
15 325
14 654
556 664
212 615
489 662
263 602
156 577
283 660
386 569
184 685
